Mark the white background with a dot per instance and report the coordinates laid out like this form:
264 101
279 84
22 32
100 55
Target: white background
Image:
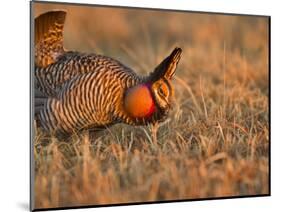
14 103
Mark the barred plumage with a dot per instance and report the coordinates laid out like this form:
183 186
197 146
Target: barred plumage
75 91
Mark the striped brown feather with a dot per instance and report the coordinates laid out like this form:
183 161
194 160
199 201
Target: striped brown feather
76 91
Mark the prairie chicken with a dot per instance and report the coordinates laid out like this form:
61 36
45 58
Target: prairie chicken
76 91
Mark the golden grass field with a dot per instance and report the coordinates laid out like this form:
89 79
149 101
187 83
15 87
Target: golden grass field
215 142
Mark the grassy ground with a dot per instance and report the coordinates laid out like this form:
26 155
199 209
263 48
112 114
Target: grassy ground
214 143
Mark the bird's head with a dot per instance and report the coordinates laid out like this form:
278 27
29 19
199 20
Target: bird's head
153 99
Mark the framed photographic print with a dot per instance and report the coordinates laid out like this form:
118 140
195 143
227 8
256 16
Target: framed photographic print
140 105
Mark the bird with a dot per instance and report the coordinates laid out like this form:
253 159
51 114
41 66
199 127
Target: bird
77 91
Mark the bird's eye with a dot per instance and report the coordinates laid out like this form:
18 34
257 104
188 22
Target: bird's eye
161 91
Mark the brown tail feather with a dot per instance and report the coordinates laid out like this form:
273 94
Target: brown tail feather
49 37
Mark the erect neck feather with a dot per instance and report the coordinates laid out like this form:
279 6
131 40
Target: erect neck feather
139 102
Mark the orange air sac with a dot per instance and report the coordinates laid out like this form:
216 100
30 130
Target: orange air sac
139 102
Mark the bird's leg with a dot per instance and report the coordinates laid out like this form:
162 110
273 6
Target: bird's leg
92 135
154 129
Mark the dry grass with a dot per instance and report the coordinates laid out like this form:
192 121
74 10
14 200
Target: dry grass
216 140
